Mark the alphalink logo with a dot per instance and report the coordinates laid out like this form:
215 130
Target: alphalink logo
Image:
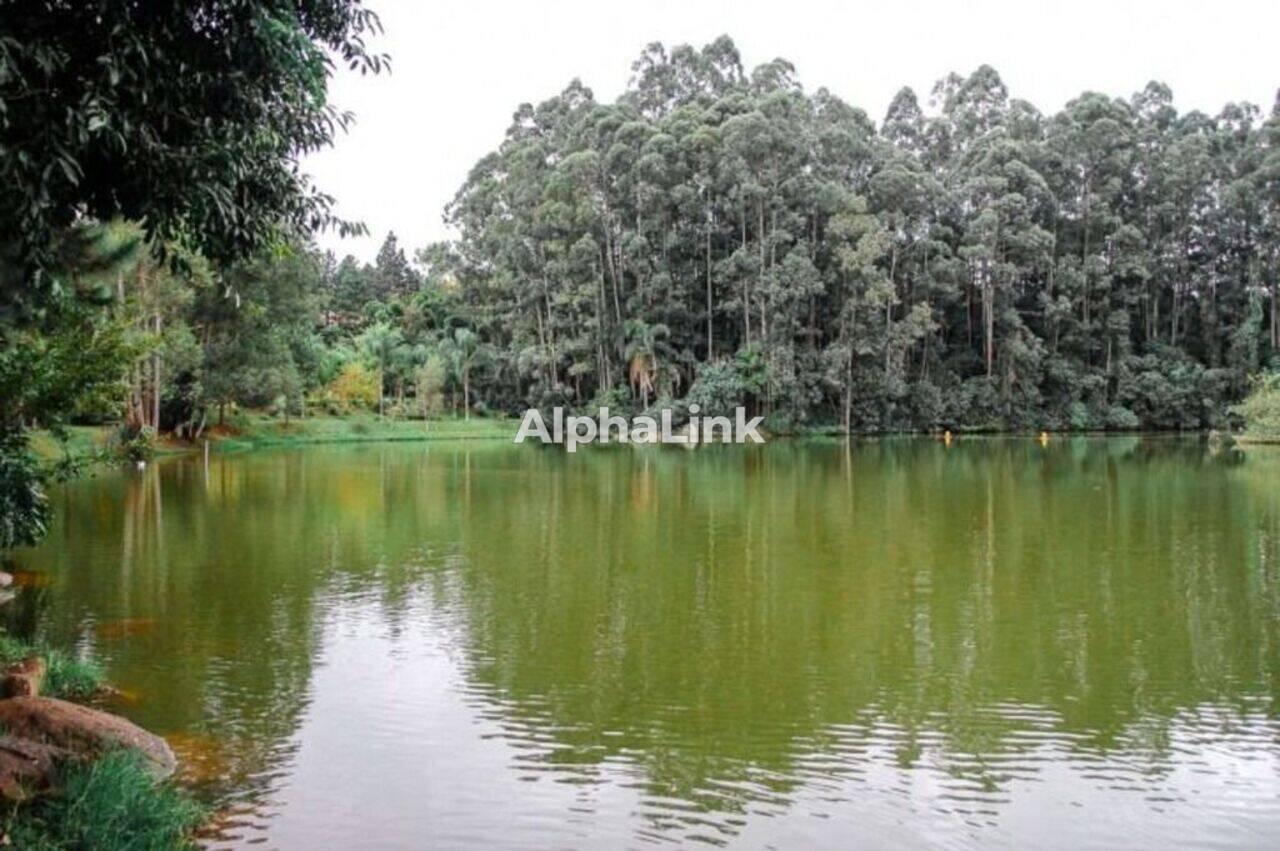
575 430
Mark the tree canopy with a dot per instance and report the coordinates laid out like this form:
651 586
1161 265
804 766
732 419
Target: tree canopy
970 262
715 235
188 117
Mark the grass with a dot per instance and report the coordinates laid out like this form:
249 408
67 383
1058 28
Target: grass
83 446
252 430
82 443
67 677
111 804
259 430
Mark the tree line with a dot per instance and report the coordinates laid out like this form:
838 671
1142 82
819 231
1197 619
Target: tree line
714 236
188 117
728 238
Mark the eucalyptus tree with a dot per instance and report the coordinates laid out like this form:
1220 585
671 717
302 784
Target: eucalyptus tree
970 263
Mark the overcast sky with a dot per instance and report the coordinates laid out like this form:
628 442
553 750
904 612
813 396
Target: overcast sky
461 67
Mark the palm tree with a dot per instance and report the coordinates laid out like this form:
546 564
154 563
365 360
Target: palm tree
644 341
380 343
465 351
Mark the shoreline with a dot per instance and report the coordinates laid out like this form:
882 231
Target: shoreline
87 444
84 443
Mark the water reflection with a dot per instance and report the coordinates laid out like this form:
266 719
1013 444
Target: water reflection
896 641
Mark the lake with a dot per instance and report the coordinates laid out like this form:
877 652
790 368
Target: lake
878 644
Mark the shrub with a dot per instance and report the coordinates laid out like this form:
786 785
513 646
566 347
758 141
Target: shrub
1079 417
108 805
24 508
1261 408
354 387
429 386
1120 418
66 677
135 444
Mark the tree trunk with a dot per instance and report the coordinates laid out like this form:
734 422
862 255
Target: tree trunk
1275 313
155 372
711 219
848 393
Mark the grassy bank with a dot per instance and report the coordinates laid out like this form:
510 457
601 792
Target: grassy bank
80 443
91 444
249 431
252 430
109 803
67 677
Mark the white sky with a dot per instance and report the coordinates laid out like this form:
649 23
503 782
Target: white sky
461 67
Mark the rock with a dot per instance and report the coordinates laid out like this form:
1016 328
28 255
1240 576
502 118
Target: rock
24 679
6 579
26 767
84 732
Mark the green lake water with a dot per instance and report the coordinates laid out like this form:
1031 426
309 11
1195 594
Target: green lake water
891 644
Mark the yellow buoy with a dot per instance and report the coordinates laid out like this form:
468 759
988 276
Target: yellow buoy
1044 438
946 437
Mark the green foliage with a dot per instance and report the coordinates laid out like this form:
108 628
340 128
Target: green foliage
355 388
722 386
73 360
429 386
133 444
1261 408
983 266
111 804
258 329
24 508
108 113
104 111
67 677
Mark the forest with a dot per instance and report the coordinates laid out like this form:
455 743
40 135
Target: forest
727 238
715 234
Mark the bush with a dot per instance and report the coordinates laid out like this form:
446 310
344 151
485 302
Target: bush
429 386
617 399
1079 417
135 444
24 508
1261 408
108 805
67 677
1120 418
361 426
354 387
